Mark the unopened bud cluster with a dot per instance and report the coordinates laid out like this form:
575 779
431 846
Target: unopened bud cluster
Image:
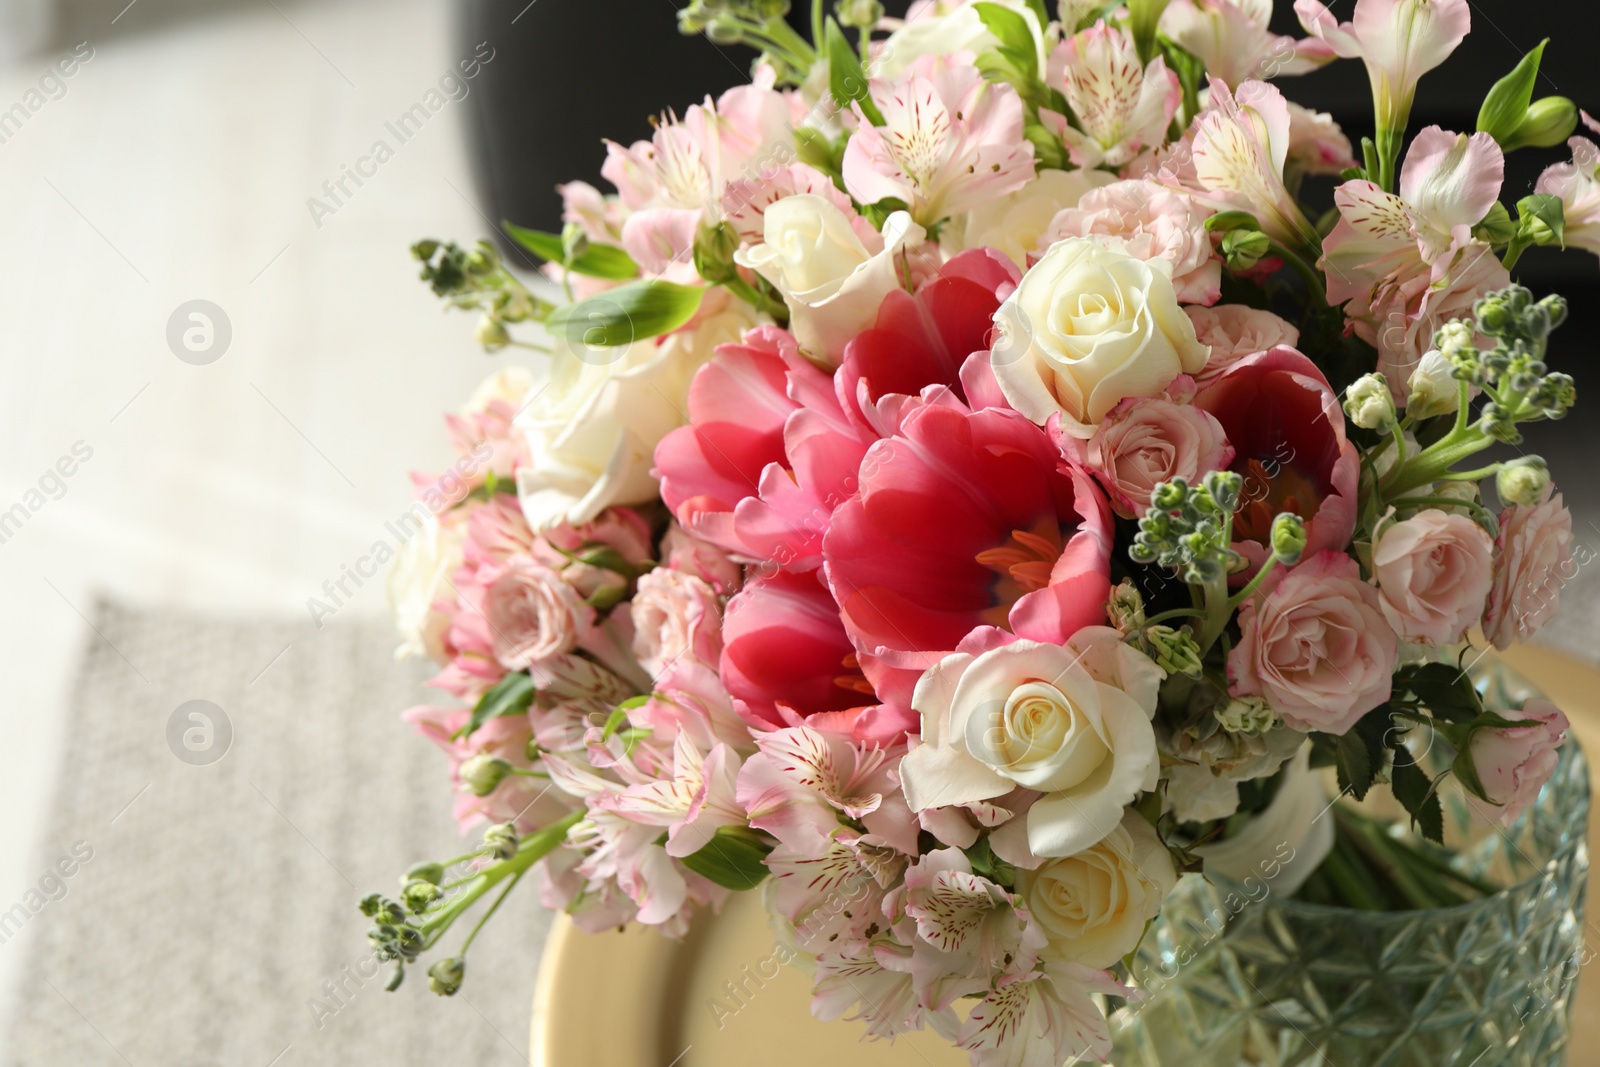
476 279
1520 387
1188 528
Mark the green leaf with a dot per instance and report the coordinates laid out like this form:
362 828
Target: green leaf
1507 103
1015 36
512 695
598 261
1541 219
1355 765
1191 72
1496 227
1444 689
1104 11
846 80
624 315
732 858
1417 792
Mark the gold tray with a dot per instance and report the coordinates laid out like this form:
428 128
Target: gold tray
720 998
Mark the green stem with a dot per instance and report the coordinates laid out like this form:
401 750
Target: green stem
1175 613
1348 885
1255 583
1314 282
530 850
1374 844
1435 461
490 913
1217 614
816 23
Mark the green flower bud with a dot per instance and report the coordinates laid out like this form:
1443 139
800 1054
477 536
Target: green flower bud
418 894
858 14
444 977
492 334
500 841
714 246
1288 538
482 774
1522 481
1368 403
428 872
1245 715
1228 221
1549 121
1126 607
1175 651
1243 249
1497 227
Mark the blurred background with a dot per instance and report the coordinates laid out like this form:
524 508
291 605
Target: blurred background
178 879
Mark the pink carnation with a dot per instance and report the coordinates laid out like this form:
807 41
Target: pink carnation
1514 764
1143 442
1234 331
1148 222
1532 561
1433 572
1317 647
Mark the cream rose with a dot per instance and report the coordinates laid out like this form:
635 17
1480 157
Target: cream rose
830 278
419 578
1088 327
1433 573
533 615
509 383
592 429
1029 714
1013 224
1094 905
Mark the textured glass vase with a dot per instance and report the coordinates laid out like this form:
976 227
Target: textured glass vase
1280 983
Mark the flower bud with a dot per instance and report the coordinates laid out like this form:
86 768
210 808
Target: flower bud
492 334
1175 651
428 872
1522 481
1548 122
858 14
418 894
1126 607
1456 341
482 774
1245 715
444 977
500 841
1433 387
1243 249
1466 492
1368 404
1288 538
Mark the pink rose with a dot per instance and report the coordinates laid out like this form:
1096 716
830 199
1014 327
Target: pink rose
1148 222
1143 442
1533 560
533 615
1513 764
1234 331
683 551
1317 647
675 615
1433 572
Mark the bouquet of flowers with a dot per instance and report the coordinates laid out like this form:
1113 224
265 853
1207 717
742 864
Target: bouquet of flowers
963 487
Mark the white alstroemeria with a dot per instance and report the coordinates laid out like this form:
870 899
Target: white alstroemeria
1578 185
1123 106
1240 142
1398 40
697 800
948 144
1232 39
942 28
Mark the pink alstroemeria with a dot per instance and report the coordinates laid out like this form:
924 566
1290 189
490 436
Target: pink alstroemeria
802 781
1404 265
1042 1018
1398 40
1578 185
1123 106
693 803
948 144
965 916
809 888
1237 148
1232 39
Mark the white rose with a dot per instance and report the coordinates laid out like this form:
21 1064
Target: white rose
1088 327
509 383
1013 224
1029 714
417 578
832 282
1283 844
593 428
1094 905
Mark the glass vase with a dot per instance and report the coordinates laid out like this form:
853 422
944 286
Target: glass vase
1234 977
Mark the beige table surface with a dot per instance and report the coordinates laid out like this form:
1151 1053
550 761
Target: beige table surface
636 999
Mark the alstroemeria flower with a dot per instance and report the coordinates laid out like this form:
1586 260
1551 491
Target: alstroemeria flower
1123 106
1047 1016
1238 146
964 519
1404 265
697 798
1578 185
965 916
948 144
803 782
1398 40
1232 39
